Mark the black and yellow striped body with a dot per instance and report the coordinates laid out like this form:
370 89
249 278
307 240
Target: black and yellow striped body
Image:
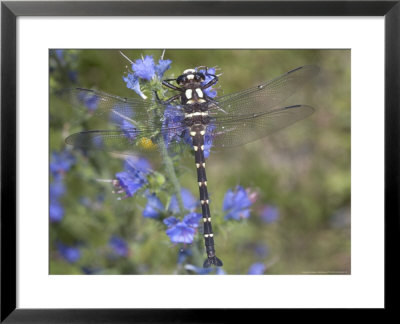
197 132
196 105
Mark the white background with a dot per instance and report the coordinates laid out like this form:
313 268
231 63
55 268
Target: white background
363 288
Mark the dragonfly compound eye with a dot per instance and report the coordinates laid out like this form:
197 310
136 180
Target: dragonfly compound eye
181 80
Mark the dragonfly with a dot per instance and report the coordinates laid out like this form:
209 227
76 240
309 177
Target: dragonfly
193 120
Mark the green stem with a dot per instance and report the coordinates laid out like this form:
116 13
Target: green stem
169 166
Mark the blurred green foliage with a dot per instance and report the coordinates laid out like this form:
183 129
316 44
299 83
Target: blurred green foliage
303 170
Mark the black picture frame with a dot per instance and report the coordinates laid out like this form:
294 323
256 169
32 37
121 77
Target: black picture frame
11 10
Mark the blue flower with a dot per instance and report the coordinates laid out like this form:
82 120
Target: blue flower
154 207
172 120
269 214
61 162
257 268
162 66
144 68
210 92
182 231
56 211
119 246
192 219
57 189
69 253
134 177
130 183
237 204
171 221
132 82
89 99
190 202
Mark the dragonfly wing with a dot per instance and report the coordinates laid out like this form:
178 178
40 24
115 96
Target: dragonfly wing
132 141
239 131
111 108
264 97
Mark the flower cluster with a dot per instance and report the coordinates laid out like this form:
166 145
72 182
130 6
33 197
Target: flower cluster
56 209
183 231
145 69
179 231
134 178
60 163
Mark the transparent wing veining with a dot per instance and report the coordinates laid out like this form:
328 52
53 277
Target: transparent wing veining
264 97
132 140
114 109
255 126
236 119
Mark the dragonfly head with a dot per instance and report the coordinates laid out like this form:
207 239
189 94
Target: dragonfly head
190 76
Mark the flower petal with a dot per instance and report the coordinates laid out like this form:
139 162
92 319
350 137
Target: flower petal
132 82
162 66
181 233
144 68
153 208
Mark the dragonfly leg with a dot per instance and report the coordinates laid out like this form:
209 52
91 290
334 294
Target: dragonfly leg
171 86
168 101
212 82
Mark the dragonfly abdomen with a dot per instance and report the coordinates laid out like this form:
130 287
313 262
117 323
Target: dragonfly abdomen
197 132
